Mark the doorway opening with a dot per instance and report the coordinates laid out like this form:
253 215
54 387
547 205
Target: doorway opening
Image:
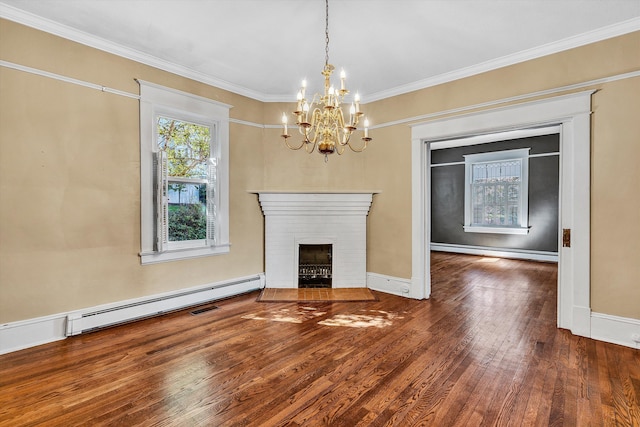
572 114
476 210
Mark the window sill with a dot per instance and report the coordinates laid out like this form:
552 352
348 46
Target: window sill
496 230
181 254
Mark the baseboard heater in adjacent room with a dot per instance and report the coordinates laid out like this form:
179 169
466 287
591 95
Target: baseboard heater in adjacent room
496 252
128 311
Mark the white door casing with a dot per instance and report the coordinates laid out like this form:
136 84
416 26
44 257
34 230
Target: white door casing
573 113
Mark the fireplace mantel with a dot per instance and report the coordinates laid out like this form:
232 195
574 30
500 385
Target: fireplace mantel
296 218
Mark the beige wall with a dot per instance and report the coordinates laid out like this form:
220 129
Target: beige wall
615 199
69 174
70 182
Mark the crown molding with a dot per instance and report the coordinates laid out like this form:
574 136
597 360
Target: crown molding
17 15
64 31
583 39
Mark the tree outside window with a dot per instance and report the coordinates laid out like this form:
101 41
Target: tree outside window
188 152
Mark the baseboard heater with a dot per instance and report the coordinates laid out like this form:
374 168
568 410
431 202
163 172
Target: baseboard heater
128 311
496 252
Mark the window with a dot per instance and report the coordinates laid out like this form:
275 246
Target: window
185 184
184 175
496 192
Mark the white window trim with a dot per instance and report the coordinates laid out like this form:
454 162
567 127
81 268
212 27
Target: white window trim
159 100
518 154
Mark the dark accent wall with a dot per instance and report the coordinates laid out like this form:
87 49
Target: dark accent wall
447 196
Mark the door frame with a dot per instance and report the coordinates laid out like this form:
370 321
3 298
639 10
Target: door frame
573 113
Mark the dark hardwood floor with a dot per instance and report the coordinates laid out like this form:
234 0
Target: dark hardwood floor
484 350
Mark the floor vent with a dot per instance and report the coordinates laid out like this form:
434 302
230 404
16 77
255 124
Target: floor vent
204 309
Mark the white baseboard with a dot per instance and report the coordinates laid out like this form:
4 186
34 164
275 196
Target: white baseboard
616 330
23 334
389 284
496 252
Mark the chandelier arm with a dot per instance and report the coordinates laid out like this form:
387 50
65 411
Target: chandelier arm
310 144
336 134
314 129
346 134
340 118
347 137
361 149
316 117
302 143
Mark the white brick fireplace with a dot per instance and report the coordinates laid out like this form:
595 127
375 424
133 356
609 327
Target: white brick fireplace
294 219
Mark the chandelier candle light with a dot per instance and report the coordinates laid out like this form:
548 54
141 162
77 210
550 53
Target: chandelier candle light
320 120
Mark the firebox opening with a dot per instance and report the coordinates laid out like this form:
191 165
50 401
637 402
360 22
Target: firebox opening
314 266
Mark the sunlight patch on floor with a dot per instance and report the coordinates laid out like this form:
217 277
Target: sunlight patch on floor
296 315
487 259
379 319
362 319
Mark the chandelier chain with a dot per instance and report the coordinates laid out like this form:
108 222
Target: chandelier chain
326 33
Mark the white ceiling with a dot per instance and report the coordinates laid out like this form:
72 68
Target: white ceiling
263 48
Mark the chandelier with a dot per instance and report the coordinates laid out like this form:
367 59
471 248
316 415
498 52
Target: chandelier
320 120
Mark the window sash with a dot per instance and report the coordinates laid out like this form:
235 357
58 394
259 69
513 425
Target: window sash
161 205
496 192
496 188
163 241
212 213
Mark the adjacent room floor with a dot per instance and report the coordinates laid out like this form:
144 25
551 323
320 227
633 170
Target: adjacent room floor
484 350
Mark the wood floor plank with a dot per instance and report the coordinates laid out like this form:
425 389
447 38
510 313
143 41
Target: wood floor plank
483 350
